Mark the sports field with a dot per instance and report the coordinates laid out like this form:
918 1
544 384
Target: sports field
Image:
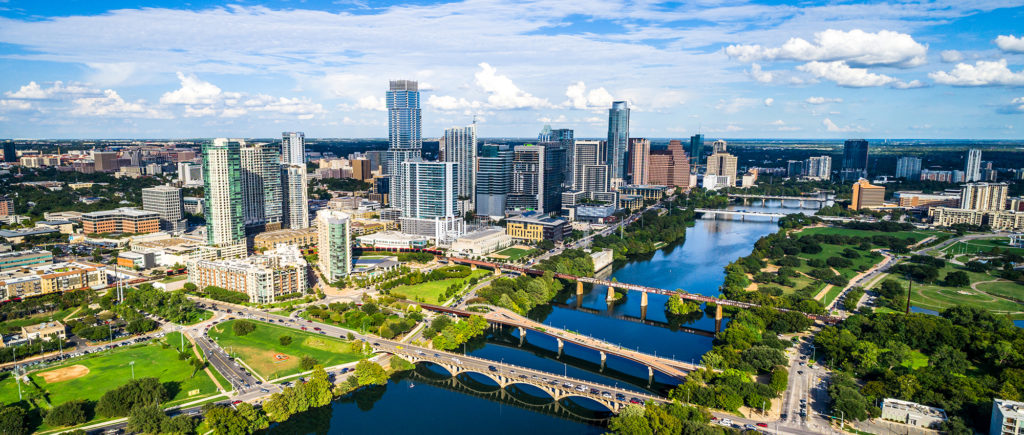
431 292
982 245
262 349
512 254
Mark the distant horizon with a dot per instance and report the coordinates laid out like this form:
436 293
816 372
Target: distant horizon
527 139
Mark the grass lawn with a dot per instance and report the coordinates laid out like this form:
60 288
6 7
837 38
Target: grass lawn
832 294
175 278
865 261
513 254
1004 288
110 369
982 245
262 350
916 235
938 297
915 361
37 318
432 291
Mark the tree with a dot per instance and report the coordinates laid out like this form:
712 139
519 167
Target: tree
189 287
146 419
370 373
243 327
67 414
399 364
780 379
630 420
308 362
949 360
136 393
957 278
285 340
12 421
180 424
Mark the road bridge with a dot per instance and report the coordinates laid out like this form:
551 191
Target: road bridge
506 375
642 320
743 214
818 200
612 285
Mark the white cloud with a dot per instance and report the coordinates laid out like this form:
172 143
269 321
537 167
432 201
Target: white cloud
579 98
32 91
951 56
844 75
15 105
192 91
112 105
758 74
448 103
1010 43
822 100
831 126
549 120
768 102
982 73
737 104
856 47
503 93
1016 106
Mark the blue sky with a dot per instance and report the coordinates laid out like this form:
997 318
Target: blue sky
730 68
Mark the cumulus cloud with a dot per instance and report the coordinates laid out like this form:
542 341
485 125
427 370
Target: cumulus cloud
579 98
856 47
1016 106
822 100
204 99
192 91
503 93
58 90
736 104
760 75
15 105
982 73
831 126
448 102
951 56
1010 43
768 102
844 75
112 105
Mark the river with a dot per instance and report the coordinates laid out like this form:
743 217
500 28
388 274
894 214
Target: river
427 401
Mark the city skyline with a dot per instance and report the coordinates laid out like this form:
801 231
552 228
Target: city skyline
742 70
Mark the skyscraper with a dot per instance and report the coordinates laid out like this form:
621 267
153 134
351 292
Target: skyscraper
972 169
293 148
295 213
165 201
261 187
724 165
618 139
718 146
669 167
983 196
494 174
639 158
10 154
222 181
404 138
430 189
696 150
527 182
855 159
585 153
819 167
460 147
565 137
334 244
908 168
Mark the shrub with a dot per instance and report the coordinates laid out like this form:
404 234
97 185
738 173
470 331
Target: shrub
308 362
285 340
243 327
67 414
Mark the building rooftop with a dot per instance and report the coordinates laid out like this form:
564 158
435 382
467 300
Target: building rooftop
1010 408
483 234
43 327
26 252
915 408
535 219
27 232
394 236
122 211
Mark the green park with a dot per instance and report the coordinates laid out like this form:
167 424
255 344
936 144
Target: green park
434 291
275 351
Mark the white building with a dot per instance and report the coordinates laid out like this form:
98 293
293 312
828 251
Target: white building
296 197
190 174
222 177
263 278
912 413
261 187
460 148
819 168
334 244
293 148
165 201
392 240
972 169
483 242
1007 417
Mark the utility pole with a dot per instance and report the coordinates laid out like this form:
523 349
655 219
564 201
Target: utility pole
132 365
910 286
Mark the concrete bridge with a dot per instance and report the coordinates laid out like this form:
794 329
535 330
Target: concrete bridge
741 213
642 319
612 285
558 387
818 200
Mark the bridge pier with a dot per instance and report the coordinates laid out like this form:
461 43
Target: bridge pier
718 318
611 294
561 344
522 336
472 266
650 376
643 312
497 271
643 299
579 288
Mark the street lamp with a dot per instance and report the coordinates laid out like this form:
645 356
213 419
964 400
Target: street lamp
132 365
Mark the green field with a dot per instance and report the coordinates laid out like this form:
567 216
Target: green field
938 297
1008 289
109 369
832 294
982 245
432 291
262 351
513 254
916 360
171 279
865 261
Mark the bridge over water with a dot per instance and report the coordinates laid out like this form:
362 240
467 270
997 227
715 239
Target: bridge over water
743 214
817 200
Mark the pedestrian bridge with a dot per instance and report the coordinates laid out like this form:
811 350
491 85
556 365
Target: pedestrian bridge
506 375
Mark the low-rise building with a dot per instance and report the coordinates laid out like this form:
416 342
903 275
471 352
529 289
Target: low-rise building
19 236
20 259
121 220
535 229
631 202
6 206
646 191
912 413
137 260
44 330
483 242
946 216
263 278
594 214
918 199
393 240
302 237
73 216
50 278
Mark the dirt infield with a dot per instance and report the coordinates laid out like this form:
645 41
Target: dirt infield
64 373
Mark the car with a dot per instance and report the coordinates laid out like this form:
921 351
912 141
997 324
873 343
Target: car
606 395
725 422
236 402
316 328
594 391
492 368
799 372
762 425
749 426
304 328
634 400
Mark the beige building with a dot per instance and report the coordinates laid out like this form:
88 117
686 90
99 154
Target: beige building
945 216
263 278
983 196
867 195
483 242
913 414
722 164
44 330
303 238
918 199
669 167
50 278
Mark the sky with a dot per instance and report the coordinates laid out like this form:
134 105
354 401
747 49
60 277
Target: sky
943 69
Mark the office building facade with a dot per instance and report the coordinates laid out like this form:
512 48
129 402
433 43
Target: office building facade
669 167
585 153
430 189
639 159
618 139
460 148
867 195
222 181
404 131
295 198
125 220
538 172
494 179
855 159
10 153
334 247
908 168
819 168
696 150
293 148
261 187
167 202
723 165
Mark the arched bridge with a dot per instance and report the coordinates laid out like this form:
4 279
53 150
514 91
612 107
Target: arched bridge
741 214
557 386
612 285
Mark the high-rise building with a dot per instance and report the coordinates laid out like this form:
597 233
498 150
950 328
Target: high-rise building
190 174
723 165
595 179
718 146
855 159
10 154
165 201
669 167
526 190
867 195
585 153
983 196
639 158
972 169
222 186
618 139
295 198
1007 417
430 189
908 168
261 187
293 148
566 138
334 247
105 161
794 168
696 150
493 179
818 167
460 148
405 142
361 169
